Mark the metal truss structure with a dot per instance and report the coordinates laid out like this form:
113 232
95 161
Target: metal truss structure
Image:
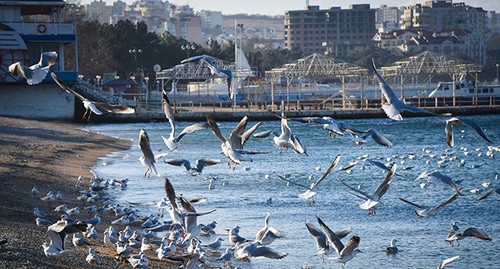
317 66
193 70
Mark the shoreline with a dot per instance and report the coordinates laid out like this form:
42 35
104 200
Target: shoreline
50 155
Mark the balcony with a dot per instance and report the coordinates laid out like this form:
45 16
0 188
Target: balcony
42 28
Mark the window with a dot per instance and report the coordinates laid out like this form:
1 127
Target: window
471 90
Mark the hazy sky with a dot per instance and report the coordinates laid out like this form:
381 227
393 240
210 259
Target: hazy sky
278 7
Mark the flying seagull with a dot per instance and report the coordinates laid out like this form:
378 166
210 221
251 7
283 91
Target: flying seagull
57 235
436 175
424 211
172 142
323 244
193 171
37 72
148 159
267 234
468 232
310 193
208 60
371 201
394 106
447 261
462 121
92 106
286 139
244 251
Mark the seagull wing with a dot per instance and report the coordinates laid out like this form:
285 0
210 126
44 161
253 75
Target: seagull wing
169 190
319 236
248 133
263 134
291 182
413 204
215 128
191 128
328 171
202 163
392 112
297 145
144 145
235 138
360 194
179 162
447 261
343 233
384 86
403 106
384 186
453 198
475 232
476 127
119 109
351 245
449 131
47 59
63 86
332 237
263 251
378 137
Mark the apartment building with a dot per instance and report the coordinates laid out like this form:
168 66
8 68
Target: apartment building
387 18
335 30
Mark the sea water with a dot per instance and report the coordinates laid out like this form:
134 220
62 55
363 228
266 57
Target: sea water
242 195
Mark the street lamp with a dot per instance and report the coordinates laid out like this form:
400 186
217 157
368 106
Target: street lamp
135 51
98 79
187 48
147 90
498 65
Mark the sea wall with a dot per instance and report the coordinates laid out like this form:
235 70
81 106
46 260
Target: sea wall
43 101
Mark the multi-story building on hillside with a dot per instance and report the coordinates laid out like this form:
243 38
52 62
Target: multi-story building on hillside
387 18
337 30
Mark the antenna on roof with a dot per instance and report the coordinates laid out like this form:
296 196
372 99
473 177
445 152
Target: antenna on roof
307 3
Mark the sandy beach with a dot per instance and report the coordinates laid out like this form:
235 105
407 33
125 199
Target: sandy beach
51 156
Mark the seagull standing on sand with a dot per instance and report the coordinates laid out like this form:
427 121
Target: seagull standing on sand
37 72
371 201
172 142
462 121
394 106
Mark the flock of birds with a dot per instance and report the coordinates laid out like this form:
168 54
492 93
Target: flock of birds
178 239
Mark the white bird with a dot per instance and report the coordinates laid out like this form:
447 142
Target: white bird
192 229
462 121
288 140
145 246
344 253
139 261
35 191
468 232
267 234
92 257
57 235
371 201
392 248
197 169
310 193
323 245
447 261
435 175
172 142
37 72
226 256
395 106
39 213
78 241
424 211
93 106
215 245
123 251
244 251
41 222
208 60
148 159
233 147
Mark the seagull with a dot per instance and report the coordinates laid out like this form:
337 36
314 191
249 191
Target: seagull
39 213
208 60
377 136
267 234
123 251
57 235
324 246
488 193
310 193
447 261
215 245
92 257
394 106
468 232
139 261
288 140
371 201
37 72
424 211
462 121
148 159
233 147
226 256
244 251
192 229
78 241
435 175
333 126
197 169
392 249
172 142
234 237
344 253
93 106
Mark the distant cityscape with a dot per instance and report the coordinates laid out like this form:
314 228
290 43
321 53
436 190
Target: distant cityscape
442 26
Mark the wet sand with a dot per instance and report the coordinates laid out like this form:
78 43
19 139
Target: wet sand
51 156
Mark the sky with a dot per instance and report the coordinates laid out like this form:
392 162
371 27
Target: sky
278 7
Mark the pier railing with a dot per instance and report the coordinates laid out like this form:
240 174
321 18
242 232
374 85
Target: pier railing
183 105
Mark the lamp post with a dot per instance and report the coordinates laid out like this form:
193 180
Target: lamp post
187 48
135 51
497 65
98 79
147 90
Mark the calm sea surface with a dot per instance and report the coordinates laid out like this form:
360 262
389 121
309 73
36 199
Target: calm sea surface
242 196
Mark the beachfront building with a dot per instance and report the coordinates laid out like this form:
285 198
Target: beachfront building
314 30
29 28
